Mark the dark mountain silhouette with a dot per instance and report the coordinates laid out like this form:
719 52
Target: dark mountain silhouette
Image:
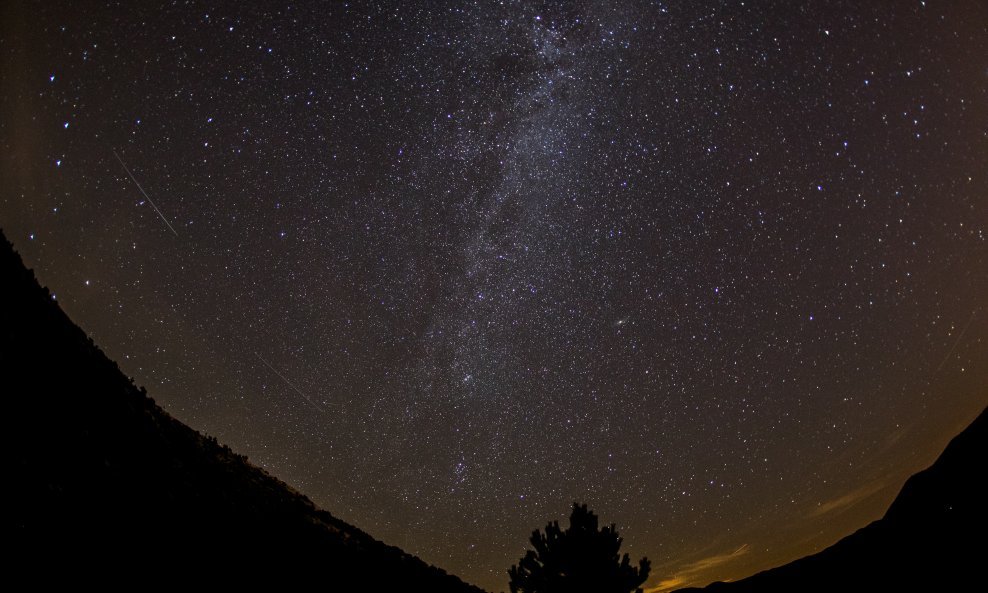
103 485
932 538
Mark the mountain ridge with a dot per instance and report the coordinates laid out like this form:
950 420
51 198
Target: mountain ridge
102 475
932 536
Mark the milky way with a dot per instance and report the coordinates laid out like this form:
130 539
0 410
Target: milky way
717 269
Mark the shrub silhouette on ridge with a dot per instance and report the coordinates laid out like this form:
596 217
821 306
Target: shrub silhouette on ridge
581 558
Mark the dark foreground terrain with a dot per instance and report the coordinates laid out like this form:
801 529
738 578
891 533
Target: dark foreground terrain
932 538
104 486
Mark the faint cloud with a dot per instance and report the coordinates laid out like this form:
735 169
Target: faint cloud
848 500
690 573
667 585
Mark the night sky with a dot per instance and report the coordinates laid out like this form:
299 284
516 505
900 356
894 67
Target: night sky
717 269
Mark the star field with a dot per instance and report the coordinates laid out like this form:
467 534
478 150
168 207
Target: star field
717 269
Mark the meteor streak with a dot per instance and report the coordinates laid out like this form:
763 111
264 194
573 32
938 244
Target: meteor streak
150 201
289 383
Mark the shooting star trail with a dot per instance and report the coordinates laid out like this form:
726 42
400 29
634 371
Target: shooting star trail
290 384
956 342
150 201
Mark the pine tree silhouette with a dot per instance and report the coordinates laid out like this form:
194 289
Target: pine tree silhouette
581 559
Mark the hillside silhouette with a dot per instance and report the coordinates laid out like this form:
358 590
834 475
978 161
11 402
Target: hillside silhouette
933 536
105 486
